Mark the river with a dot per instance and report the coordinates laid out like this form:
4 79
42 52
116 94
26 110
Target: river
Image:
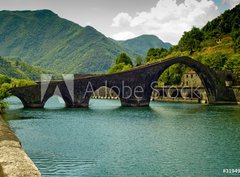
165 139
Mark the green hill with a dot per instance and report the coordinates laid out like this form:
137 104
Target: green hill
216 45
16 68
143 43
43 39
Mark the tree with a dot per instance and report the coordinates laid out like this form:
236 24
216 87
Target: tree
155 54
4 79
4 93
191 40
173 75
233 64
6 84
236 38
138 60
122 63
215 61
124 58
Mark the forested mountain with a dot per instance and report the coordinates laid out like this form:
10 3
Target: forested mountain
16 68
43 39
143 43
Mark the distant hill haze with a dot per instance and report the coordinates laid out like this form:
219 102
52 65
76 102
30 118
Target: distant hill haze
142 44
44 39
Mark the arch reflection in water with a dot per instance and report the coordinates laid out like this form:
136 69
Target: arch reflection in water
110 99
14 102
55 102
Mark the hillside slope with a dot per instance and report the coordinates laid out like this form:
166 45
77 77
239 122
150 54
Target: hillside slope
216 45
143 43
42 38
16 68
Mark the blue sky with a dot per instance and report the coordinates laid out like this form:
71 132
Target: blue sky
125 19
221 5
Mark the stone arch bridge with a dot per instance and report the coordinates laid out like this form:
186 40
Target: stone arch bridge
134 87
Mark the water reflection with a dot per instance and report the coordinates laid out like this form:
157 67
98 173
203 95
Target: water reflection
166 139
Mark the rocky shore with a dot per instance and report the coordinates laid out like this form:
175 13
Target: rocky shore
14 162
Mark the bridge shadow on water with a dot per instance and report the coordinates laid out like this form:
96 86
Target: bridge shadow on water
101 108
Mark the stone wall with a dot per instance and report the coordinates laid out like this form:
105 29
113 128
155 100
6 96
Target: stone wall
14 162
236 90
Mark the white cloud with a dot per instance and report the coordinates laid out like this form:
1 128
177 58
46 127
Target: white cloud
122 19
123 35
231 3
168 20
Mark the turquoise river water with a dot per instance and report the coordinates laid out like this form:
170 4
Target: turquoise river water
165 139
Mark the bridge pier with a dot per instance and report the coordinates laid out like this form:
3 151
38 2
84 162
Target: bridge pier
77 105
135 102
34 105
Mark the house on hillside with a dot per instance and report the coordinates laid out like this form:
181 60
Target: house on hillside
191 79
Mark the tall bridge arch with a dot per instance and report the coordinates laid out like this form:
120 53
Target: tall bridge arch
140 80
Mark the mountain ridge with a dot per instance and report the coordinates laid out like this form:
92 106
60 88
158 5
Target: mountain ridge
44 39
141 44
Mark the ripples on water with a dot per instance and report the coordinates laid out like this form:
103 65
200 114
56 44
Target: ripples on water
53 165
165 139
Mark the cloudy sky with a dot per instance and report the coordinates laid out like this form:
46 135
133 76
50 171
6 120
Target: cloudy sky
125 19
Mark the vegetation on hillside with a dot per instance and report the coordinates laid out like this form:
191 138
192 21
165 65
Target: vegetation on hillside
142 44
216 45
217 54
123 62
42 38
139 60
16 68
154 54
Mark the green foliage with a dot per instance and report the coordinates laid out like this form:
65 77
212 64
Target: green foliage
4 91
236 38
191 40
216 45
43 39
4 79
139 60
119 68
21 83
233 64
227 23
124 58
6 84
173 75
16 68
142 44
155 54
3 106
122 63
215 61
223 24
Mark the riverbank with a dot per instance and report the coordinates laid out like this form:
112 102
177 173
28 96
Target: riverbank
14 162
